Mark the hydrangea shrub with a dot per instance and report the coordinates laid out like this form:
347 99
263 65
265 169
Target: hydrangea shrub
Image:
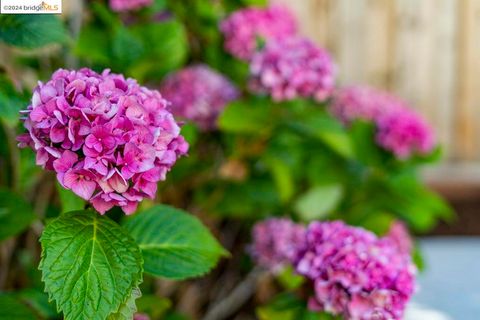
110 141
248 122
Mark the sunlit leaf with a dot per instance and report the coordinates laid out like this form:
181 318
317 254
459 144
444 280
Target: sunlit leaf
174 243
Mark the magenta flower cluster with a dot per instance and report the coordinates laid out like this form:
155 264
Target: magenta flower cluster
127 5
244 29
399 129
275 242
199 94
293 68
400 236
108 139
353 273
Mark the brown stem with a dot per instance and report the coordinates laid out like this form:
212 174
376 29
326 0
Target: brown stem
236 299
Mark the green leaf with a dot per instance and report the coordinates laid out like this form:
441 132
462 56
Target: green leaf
326 129
318 202
11 308
415 203
89 265
252 198
11 102
15 214
126 47
259 3
282 175
289 279
287 306
93 45
128 308
378 222
190 132
38 301
246 117
32 30
166 49
364 142
174 244
153 305
69 200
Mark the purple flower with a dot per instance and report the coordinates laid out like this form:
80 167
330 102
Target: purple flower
141 316
292 68
400 236
364 103
399 129
354 273
404 132
275 242
80 181
199 94
108 139
126 5
245 27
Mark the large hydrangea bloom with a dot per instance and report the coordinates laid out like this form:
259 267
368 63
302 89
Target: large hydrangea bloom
127 5
244 28
199 94
354 273
275 242
108 139
399 129
292 68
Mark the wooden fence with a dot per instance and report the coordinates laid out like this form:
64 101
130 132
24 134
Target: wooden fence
426 51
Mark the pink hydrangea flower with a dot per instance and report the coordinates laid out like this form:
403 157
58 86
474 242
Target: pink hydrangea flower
399 235
275 242
199 94
127 5
292 68
107 138
245 27
364 103
399 129
141 316
404 133
354 273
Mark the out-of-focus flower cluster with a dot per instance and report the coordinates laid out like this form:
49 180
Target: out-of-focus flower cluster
399 129
400 236
292 68
244 29
108 139
199 94
275 242
354 273
285 65
141 316
127 5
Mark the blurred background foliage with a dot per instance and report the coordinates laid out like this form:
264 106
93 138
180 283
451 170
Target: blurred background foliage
266 159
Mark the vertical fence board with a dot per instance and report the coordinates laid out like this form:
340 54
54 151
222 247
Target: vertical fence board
348 29
378 43
467 144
